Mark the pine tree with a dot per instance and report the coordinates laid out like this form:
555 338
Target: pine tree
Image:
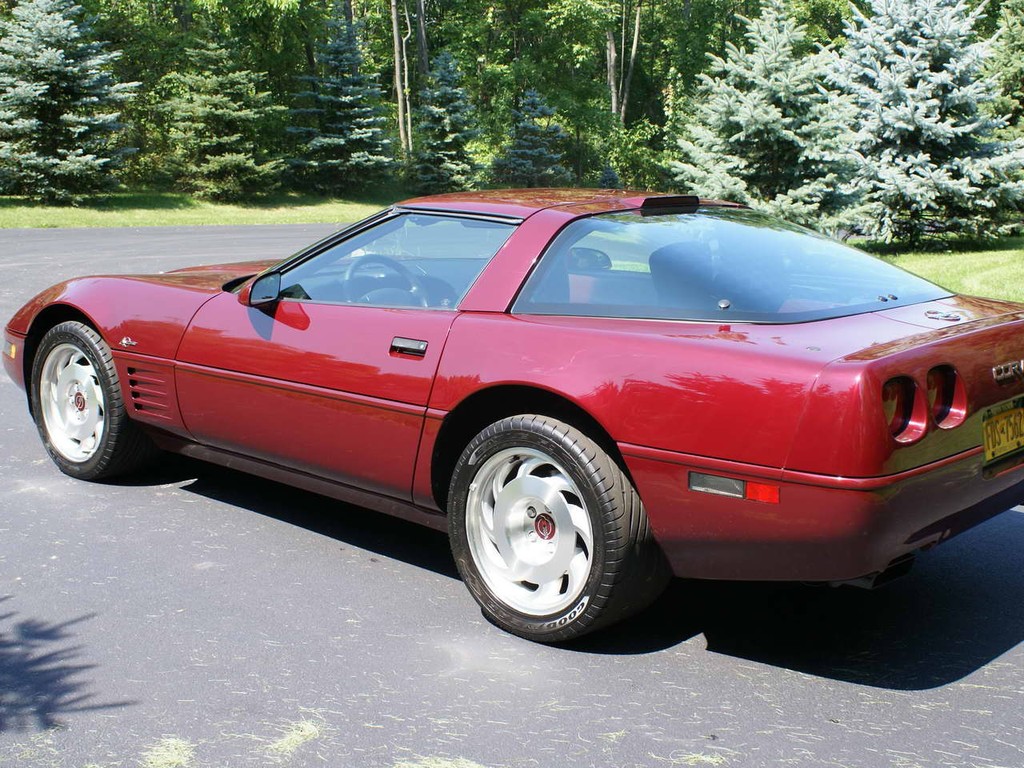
609 179
766 132
343 143
444 129
1008 59
927 157
58 104
532 159
218 116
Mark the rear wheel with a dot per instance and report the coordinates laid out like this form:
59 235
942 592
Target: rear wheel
548 533
77 406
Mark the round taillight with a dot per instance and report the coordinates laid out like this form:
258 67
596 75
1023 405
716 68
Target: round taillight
947 400
898 404
904 409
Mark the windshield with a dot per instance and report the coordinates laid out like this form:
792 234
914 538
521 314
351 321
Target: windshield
713 264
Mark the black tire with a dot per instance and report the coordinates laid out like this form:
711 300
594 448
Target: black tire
118 445
624 569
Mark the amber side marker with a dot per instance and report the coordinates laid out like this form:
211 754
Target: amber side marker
737 489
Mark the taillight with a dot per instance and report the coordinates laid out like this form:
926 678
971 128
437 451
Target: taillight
903 410
947 400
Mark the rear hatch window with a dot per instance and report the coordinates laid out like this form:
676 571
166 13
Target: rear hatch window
715 264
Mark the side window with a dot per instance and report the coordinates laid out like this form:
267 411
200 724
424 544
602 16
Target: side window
410 260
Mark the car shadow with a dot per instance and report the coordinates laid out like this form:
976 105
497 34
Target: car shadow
961 606
41 673
373 531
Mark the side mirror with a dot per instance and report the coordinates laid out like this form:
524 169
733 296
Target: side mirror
588 260
264 290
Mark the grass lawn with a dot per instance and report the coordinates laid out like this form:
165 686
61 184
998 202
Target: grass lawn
995 270
151 209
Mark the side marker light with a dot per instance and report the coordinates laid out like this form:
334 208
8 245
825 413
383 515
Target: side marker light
737 489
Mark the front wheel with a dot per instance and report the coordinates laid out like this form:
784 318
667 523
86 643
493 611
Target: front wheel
548 532
77 406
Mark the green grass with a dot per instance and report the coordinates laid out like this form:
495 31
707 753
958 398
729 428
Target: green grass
151 209
995 270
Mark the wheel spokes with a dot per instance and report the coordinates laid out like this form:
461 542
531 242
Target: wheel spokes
529 532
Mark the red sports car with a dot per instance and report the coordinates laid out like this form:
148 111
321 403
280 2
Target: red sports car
589 390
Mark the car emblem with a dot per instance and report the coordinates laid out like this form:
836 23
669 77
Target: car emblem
935 314
128 341
1004 373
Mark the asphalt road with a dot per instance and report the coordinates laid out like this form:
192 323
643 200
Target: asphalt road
197 617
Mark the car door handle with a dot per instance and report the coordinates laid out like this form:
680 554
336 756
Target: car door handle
403 346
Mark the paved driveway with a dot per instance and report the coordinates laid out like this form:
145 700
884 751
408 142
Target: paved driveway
198 617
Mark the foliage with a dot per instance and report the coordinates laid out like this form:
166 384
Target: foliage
765 132
927 157
58 104
343 140
635 157
444 129
217 116
532 157
1007 63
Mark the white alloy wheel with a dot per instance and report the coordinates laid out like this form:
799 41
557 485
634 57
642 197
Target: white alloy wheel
529 531
73 406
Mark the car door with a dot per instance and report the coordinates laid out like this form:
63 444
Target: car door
333 378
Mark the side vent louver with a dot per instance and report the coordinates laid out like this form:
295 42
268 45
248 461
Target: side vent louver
149 392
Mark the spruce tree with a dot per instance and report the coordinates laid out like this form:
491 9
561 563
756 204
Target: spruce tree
927 157
609 178
532 158
765 131
218 116
340 125
444 129
58 104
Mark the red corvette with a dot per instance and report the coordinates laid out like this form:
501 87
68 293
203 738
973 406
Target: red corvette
590 391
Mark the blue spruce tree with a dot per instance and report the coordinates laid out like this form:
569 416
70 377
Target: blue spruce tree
532 158
444 130
59 104
340 125
765 131
927 157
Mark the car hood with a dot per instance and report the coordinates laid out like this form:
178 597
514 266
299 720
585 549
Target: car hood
151 310
211 277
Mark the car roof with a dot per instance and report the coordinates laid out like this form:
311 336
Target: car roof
522 203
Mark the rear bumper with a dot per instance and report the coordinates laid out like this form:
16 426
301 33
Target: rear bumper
13 355
823 528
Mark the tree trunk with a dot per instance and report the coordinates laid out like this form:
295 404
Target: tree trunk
347 8
613 68
396 39
421 38
624 99
405 74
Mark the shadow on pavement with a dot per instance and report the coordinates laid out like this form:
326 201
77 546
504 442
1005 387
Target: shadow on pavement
41 674
364 528
960 608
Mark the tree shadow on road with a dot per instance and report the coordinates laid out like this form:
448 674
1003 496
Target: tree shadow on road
959 609
41 673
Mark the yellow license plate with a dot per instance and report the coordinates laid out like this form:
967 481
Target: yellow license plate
1003 429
